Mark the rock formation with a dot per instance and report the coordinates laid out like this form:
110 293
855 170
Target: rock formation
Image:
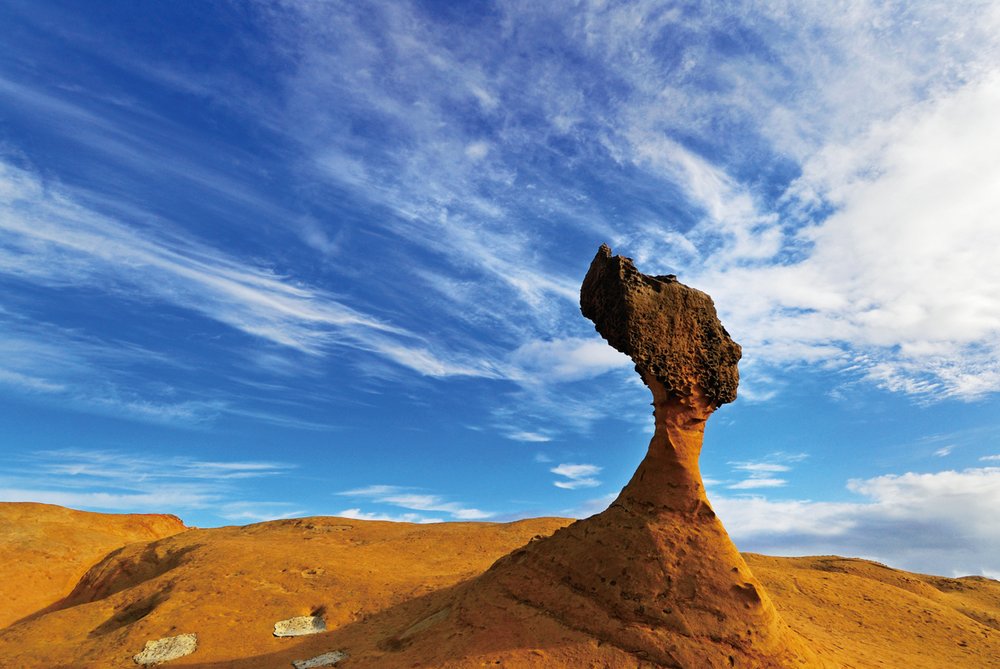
654 581
656 574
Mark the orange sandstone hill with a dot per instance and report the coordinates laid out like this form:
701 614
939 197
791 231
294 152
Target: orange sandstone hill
653 581
379 585
45 549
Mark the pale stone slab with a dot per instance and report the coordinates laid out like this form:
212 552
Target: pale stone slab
300 626
166 649
324 660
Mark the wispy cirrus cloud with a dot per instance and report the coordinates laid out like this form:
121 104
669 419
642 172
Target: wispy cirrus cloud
120 468
531 437
765 473
77 370
575 476
782 261
69 368
116 480
755 482
41 225
569 359
412 499
358 514
258 512
51 239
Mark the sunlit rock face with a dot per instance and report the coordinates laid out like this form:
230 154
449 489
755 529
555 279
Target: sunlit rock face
656 574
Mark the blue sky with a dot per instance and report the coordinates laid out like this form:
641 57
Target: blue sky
269 259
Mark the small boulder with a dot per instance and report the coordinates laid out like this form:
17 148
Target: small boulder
300 626
324 660
166 649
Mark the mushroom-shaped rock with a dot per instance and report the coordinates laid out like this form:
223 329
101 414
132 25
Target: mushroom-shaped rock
655 576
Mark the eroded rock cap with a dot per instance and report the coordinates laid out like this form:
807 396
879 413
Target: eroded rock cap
671 331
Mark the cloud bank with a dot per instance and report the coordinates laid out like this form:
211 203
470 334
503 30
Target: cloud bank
942 522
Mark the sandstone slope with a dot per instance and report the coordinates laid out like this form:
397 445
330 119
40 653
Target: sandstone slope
373 582
45 549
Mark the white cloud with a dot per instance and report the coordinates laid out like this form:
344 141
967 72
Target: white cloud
49 238
533 437
259 512
886 285
569 359
402 497
122 481
372 491
168 500
990 458
729 207
848 97
759 467
122 468
757 482
761 474
14 378
358 514
943 522
944 451
576 476
888 111
477 150
86 373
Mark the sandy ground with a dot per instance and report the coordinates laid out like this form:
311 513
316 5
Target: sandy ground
386 591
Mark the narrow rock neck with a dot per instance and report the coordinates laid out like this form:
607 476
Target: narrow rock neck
669 477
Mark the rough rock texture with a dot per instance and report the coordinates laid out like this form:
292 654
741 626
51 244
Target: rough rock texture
166 649
299 626
655 574
670 331
324 660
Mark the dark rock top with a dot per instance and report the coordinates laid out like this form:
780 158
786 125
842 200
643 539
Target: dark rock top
670 331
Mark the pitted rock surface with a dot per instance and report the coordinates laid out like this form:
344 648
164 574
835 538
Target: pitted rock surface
169 648
671 331
299 626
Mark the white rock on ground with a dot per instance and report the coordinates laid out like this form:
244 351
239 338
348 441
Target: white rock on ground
299 626
324 660
164 650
